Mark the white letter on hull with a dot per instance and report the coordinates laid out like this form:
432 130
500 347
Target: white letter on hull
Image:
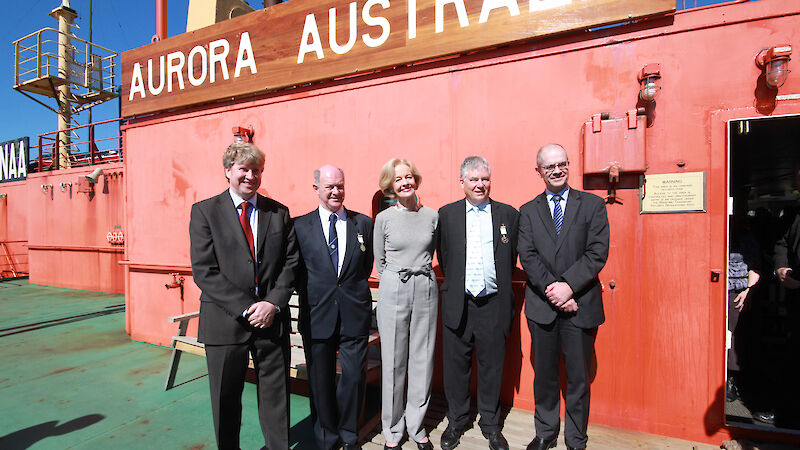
245 57
463 20
310 30
198 50
489 5
4 152
221 58
12 160
22 167
173 68
137 84
412 19
351 40
382 22
153 90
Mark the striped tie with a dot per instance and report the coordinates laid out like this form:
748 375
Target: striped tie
474 281
558 214
333 243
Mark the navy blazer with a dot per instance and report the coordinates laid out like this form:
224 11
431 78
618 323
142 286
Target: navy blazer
325 296
452 256
575 256
222 267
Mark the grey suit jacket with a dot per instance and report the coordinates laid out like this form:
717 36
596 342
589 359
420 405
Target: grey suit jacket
222 267
575 256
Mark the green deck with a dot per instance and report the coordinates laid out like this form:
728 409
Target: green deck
72 378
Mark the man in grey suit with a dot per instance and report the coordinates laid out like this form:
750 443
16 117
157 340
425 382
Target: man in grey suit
244 256
563 245
335 308
477 254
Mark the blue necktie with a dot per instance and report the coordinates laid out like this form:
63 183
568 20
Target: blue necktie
558 214
333 242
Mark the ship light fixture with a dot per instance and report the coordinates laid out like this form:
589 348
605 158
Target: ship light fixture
243 134
649 84
775 64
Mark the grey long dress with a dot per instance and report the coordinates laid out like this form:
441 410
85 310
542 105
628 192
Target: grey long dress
404 242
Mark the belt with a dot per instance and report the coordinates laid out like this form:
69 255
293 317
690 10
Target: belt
406 273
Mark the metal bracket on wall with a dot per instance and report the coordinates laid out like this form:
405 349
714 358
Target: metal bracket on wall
177 282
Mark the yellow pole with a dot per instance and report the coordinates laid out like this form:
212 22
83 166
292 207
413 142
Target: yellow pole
65 16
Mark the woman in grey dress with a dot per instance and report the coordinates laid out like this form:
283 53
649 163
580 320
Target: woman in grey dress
404 241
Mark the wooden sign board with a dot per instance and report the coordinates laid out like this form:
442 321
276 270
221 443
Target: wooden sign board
673 193
301 41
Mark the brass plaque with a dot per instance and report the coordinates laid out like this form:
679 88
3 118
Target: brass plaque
299 42
673 193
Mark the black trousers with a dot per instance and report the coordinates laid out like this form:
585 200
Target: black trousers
479 329
227 367
335 409
577 346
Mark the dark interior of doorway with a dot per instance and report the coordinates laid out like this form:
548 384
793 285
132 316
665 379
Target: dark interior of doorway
763 385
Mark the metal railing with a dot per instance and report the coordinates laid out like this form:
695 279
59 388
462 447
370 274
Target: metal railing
13 265
94 143
92 68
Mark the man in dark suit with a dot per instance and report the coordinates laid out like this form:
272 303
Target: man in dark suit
563 245
477 254
244 256
335 308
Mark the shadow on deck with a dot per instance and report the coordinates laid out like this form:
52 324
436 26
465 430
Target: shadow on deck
72 378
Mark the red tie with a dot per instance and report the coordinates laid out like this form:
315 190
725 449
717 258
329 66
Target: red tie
248 232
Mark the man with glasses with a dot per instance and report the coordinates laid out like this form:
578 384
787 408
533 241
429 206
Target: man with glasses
563 245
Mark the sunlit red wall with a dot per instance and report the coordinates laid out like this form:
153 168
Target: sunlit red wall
67 241
661 352
13 228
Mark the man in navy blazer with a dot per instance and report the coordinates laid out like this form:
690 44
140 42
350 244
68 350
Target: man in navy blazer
563 245
244 255
476 316
335 308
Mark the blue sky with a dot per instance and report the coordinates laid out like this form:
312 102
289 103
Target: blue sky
118 25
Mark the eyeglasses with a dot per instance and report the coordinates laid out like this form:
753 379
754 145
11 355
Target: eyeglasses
552 167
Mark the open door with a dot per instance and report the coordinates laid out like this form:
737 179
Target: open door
763 314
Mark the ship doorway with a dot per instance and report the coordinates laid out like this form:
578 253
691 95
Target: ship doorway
763 337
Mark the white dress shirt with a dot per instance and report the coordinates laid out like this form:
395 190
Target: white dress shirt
341 230
251 213
483 213
564 194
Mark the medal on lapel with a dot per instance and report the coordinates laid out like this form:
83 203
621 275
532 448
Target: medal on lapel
361 241
503 233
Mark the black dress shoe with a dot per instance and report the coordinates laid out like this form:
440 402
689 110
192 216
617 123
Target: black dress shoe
767 417
451 437
541 444
496 441
351 447
575 448
425 445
